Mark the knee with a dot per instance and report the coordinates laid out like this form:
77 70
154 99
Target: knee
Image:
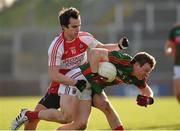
81 125
65 118
104 106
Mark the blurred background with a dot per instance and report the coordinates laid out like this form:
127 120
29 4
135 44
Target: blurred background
27 28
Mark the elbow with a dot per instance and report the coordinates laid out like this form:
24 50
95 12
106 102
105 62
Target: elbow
54 77
94 51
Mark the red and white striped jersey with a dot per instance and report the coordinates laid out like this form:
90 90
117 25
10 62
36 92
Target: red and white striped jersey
68 55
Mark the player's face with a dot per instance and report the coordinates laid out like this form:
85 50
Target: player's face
73 29
142 71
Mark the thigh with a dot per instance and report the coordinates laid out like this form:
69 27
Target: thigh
50 101
69 105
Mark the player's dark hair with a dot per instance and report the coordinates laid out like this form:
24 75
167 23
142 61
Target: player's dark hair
66 13
143 58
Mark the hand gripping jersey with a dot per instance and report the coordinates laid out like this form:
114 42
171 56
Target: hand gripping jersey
68 55
124 68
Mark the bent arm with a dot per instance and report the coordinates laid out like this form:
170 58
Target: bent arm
147 91
97 55
59 77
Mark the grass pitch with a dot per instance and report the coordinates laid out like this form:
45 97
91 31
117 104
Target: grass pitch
164 114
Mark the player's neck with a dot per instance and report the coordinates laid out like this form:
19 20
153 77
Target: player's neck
68 38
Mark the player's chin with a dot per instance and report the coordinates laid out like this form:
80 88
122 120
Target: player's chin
141 77
76 34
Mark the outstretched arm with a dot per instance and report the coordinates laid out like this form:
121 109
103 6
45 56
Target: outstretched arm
120 45
100 53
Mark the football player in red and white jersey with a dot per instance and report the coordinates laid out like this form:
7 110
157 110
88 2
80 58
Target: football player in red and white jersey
69 50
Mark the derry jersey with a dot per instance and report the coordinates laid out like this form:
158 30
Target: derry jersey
68 55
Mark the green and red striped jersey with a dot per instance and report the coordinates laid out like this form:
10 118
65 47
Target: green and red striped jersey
122 62
174 37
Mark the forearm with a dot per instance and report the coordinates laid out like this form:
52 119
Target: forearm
121 44
147 91
110 47
59 77
146 97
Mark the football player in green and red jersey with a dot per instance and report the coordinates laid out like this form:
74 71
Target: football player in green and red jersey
172 48
130 70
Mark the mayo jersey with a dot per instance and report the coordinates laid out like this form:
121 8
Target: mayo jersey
68 55
174 37
122 62
124 68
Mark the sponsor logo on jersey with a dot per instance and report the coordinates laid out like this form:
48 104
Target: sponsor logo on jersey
74 61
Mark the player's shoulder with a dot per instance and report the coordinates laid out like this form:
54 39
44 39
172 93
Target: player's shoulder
121 55
59 35
85 34
57 41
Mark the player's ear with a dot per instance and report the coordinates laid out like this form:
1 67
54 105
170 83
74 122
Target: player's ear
63 27
136 64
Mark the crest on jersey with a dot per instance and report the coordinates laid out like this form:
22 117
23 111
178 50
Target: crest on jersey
73 50
80 45
74 91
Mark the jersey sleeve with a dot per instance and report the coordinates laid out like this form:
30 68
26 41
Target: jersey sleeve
88 39
119 58
55 52
120 55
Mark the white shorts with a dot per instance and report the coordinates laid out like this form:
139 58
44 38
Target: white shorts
176 72
72 90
